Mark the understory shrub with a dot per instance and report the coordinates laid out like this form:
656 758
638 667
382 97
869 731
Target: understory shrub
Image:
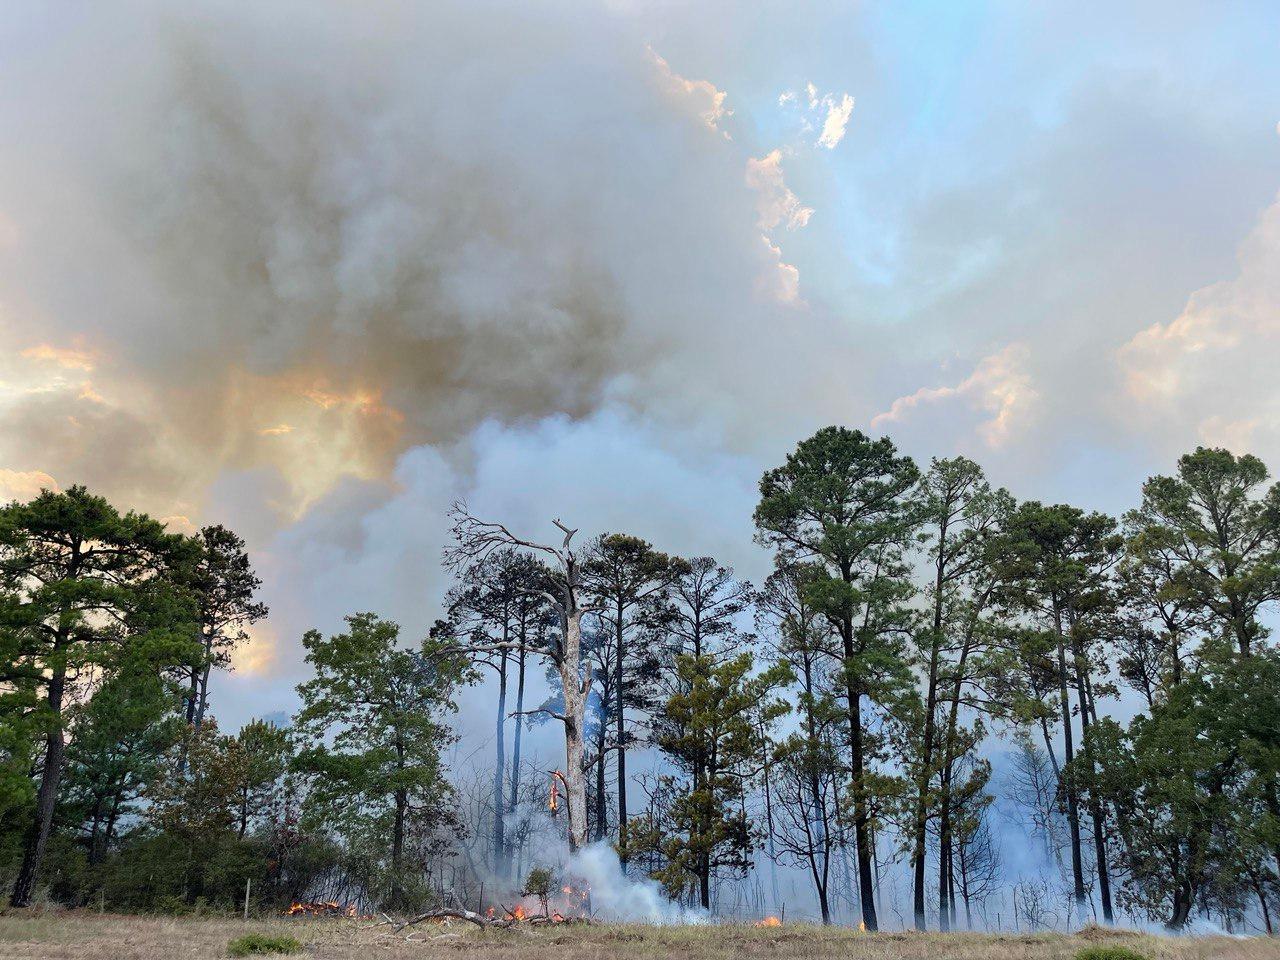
252 944
1109 952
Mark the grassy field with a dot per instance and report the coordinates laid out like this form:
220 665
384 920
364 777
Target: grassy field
82 936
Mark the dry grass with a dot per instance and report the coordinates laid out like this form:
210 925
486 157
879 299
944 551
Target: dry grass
81 936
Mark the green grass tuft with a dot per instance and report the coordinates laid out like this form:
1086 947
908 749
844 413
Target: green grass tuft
257 943
1109 953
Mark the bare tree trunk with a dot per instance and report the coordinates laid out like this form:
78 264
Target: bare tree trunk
1095 805
768 820
193 693
1073 813
575 695
602 806
202 702
1262 903
397 842
500 767
513 798
46 799
925 775
861 834
621 734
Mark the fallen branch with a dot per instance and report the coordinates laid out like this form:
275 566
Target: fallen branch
449 913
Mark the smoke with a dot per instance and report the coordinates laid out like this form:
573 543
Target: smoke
309 237
616 896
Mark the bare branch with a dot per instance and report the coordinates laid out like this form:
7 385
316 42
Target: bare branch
474 539
541 710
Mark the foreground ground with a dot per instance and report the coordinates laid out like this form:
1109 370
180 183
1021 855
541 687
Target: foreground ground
80 936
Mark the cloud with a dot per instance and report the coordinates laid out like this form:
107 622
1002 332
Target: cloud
833 113
1211 368
70 357
177 523
24 484
781 282
701 95
999 386
836 121
776 203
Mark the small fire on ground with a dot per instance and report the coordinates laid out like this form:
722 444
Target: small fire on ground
570 905
769 922
321 908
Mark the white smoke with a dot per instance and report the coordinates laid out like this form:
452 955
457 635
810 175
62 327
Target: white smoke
616 896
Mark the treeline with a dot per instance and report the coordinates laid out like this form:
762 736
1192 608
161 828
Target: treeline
117 789
838 719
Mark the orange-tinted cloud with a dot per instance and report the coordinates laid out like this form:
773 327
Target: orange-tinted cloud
72 358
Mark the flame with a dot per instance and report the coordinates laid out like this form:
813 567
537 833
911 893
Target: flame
321 908
553 801
862 926
769 922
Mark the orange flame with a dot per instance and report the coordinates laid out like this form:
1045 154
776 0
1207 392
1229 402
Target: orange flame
769 922
321 908
862 926
553 802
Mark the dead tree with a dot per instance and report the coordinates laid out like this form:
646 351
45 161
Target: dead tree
474 539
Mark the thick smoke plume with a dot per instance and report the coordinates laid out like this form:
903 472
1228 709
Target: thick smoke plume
318 234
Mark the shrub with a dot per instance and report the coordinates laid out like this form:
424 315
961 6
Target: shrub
1109 952
257 943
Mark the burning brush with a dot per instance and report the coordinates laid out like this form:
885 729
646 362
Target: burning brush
545 901
322 908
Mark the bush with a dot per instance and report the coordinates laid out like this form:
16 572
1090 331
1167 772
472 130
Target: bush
256 943
1109 952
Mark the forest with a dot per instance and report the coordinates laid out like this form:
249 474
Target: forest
935 674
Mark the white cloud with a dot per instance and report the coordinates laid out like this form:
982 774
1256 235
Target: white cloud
837 120
826 113
1208 375
702 95
999 386
776 202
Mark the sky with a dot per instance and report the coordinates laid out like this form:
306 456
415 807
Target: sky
314 270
